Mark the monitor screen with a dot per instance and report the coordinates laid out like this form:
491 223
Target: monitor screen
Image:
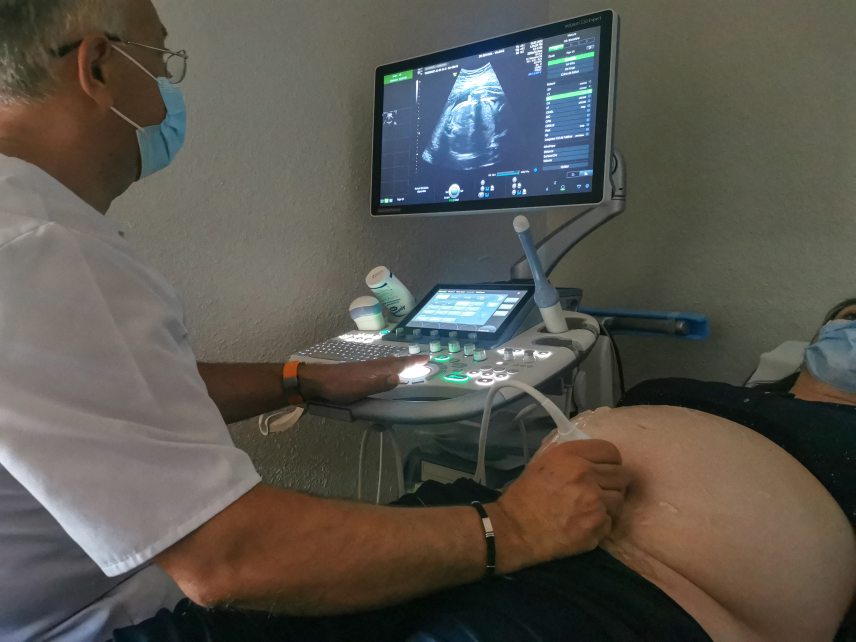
522 120
484 309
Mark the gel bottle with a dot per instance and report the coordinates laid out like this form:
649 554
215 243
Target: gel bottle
391 292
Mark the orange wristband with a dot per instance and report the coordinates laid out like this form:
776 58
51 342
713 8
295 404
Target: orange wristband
291 383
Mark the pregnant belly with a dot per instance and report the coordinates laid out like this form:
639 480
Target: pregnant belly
729 525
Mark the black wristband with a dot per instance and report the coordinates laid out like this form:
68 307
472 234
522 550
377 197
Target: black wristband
490 539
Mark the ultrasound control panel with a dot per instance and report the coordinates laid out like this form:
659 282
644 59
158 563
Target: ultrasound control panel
453 383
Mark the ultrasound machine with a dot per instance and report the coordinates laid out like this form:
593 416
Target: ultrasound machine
523 123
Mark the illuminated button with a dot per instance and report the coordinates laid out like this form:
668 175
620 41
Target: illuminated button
454 346
416 374
501 377
484 381
543 355
487 371
414 348
480 355
469 349
508 354
474 373
456 377
435 346
500 370
441 358
384 332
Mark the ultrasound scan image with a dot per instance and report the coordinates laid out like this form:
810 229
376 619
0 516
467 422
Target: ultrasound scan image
471 129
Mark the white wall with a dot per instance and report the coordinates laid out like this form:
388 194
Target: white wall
737 120
263 222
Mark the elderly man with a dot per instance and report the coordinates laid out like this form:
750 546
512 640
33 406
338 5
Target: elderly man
120 490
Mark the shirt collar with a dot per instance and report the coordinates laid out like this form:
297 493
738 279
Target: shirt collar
27 190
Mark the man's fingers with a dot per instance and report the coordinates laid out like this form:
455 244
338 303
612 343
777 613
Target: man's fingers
614 502
595 450
612 477
396 365
406 362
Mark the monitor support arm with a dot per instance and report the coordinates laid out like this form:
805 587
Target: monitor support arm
553 247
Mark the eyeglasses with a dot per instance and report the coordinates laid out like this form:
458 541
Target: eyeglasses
175 61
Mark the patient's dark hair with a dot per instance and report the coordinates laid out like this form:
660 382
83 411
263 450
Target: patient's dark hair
784 385
837 309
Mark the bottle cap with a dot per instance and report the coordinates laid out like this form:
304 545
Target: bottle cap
378 277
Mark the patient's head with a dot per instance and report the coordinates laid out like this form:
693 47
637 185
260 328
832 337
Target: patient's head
844 310
829 371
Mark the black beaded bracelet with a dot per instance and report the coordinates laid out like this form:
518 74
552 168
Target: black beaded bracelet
490 539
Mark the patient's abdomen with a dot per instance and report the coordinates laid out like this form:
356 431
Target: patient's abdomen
729 525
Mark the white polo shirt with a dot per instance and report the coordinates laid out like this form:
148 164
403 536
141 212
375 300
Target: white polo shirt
110 448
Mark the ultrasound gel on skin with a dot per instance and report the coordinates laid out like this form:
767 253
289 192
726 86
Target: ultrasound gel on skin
391 292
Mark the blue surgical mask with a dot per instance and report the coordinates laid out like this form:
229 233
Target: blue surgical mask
832 357
160 144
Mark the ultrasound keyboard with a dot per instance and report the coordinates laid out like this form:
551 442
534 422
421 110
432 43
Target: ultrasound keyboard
353 347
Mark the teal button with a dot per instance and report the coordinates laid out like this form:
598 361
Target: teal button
384 332
441 358
456 377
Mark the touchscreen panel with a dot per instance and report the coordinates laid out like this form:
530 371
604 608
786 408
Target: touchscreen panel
480 310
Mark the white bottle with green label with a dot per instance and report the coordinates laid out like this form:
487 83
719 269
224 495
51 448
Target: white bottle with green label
391 292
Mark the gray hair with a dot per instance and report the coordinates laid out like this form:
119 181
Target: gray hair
32 30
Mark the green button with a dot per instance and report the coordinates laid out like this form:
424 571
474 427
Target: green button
443 358
384 332
456 377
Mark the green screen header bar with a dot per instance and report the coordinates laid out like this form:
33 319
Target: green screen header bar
556 47
399 77
559 61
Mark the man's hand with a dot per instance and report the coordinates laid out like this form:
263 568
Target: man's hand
564 503
344 383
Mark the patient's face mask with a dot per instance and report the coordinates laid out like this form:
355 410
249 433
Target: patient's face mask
160 144
832 357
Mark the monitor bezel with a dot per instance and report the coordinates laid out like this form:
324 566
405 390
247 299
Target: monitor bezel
607 20
510 320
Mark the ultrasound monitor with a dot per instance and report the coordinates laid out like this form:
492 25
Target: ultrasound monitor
519 121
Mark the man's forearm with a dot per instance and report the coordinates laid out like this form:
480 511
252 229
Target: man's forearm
244 390
282 551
